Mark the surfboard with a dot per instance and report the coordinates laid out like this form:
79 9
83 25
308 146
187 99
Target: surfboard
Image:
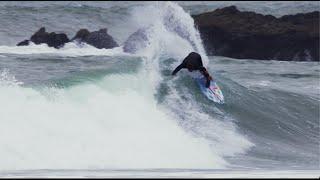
213 93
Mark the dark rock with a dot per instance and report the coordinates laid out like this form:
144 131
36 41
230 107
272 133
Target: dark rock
57 40
99 39
81 34
23 43
232 33
41 36
51 39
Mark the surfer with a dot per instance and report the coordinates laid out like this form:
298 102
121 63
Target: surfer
194 62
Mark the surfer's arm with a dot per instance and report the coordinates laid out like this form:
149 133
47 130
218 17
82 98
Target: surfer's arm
182 65
205 73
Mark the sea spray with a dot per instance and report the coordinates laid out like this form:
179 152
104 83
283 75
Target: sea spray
174 35
103 125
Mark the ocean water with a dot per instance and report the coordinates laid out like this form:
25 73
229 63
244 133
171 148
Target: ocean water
87 112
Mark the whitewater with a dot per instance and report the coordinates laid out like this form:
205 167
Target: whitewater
82 111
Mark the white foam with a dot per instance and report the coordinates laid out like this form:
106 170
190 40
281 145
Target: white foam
163 41
69 49
6 79
111 124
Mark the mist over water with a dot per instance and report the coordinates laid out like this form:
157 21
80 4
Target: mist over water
87 108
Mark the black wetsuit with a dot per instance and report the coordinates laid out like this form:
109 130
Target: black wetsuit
194 62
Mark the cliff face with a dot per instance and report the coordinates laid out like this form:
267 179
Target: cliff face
232 33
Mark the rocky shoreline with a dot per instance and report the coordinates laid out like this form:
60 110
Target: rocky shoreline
99 39
224 32
249 35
